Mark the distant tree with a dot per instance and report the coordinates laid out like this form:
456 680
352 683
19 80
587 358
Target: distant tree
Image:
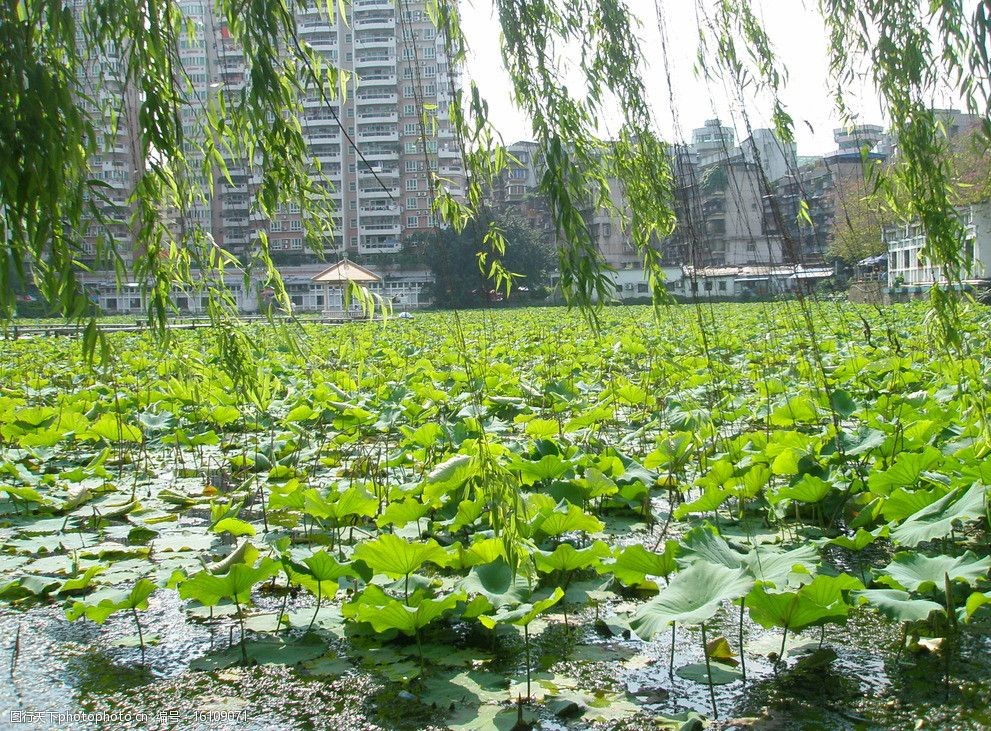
971 165
859 219
461 276
860 215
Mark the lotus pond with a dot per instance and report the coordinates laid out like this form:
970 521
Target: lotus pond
767 516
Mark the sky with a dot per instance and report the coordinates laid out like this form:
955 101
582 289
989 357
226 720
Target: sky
794 27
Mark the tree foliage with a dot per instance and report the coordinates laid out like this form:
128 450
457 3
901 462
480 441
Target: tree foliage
862 210
571 63
456 258
860 218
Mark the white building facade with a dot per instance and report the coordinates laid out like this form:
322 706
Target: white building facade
907 268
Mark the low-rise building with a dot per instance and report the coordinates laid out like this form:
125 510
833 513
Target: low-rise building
748 282
402 289
909 269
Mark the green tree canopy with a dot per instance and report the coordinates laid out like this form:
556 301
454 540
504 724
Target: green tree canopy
914 51
454 258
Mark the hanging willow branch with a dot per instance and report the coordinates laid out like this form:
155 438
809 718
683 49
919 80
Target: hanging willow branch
50 129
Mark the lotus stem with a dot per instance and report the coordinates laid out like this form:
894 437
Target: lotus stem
17 650
141 639
781 654
743 660
708 672
526 643
240 620
671 663
317 610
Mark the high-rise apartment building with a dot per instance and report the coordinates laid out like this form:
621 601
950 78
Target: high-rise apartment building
117 162
379 148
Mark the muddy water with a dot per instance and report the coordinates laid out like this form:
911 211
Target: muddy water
66 669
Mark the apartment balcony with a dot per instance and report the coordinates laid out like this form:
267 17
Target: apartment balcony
375 62
322 123
323 45
389 247
327 158
378 23
378 230
378 192
375 174
359 5
385 99
366 81
380 210
381 155
322 136
378 118
386 42
378 136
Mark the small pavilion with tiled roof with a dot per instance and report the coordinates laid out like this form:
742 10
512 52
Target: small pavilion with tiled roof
335 281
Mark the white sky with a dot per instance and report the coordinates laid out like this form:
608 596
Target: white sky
795 29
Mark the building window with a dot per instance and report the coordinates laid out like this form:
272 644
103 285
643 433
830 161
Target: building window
413 221
906 258
412 184
722 286
409 110
708 286
412 203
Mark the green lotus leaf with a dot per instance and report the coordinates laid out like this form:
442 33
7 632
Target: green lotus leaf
780 568
860 540
565 518
809 489
524 614
920 573
234 526
497 583
703 543
136 598
335 507
396 557
819 602
693 596
401 512
635 563
384 613
936 520
897 605
568 558
209 589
